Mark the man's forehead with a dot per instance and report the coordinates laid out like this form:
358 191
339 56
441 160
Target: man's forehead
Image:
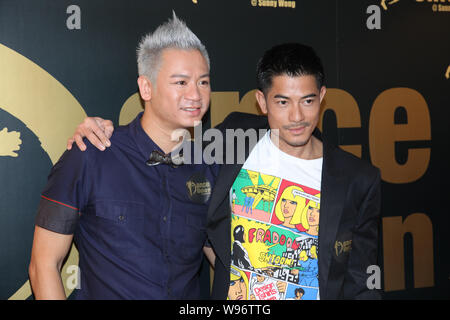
176 53
286 85
178 61
284 79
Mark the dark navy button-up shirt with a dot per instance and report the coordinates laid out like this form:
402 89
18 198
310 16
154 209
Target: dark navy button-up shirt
139 229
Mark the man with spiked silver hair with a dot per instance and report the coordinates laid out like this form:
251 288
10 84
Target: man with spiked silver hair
138 219
173 34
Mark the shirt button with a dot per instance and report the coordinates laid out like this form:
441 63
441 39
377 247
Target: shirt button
164 218
121 218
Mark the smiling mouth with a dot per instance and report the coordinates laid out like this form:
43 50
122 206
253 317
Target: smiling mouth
192 111
191 108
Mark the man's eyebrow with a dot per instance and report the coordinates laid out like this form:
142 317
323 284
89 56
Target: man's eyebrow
309 96
280 96
180 75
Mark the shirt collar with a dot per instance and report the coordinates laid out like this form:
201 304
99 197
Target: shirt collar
144 143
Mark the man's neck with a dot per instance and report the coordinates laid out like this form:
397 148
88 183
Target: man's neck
160 135
313 149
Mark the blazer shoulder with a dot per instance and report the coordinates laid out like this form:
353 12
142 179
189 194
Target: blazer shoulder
241 120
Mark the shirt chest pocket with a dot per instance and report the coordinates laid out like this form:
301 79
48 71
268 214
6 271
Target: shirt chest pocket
116 225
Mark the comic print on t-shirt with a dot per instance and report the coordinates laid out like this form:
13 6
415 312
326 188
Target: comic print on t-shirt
274 238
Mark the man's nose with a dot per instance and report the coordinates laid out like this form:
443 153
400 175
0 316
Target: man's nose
296 114
193 92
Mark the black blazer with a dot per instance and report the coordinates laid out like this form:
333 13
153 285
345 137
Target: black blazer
349 219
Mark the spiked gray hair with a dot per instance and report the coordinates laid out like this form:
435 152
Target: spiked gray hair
172 34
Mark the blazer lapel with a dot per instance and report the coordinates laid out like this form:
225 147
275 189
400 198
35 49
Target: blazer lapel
333 193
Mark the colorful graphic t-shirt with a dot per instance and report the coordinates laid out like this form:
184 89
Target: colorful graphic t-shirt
275 204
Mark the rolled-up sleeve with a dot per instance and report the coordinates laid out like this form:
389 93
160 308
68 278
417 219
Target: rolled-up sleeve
64 195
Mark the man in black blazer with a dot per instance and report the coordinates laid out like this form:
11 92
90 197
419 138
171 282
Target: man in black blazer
291 87
290 83
349 213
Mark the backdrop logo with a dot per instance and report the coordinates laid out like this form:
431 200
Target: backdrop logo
385 3
436 5
373 22
273 3
10 143
31 141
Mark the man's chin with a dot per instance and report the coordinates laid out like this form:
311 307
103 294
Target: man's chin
188 124
291 140
193 122
297 142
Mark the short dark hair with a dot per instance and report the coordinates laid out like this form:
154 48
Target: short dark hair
299 290
292 59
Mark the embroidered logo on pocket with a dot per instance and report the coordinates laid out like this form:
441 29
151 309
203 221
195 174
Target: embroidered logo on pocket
342 247
198 188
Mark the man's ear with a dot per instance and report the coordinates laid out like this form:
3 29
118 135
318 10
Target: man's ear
145 88
322 93
261 101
